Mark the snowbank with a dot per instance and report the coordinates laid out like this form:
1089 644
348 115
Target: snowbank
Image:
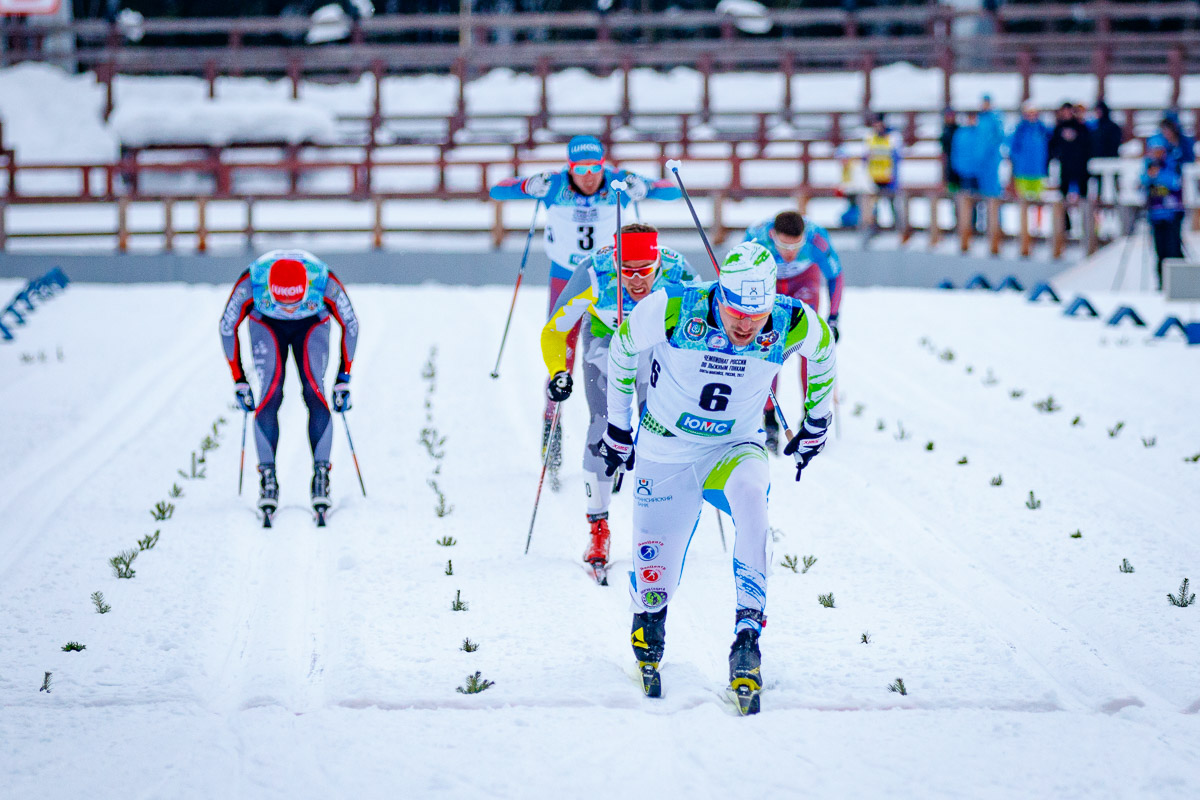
220 121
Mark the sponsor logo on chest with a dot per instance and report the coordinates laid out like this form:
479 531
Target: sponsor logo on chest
704 427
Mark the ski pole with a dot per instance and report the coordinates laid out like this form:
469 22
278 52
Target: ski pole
242 468
618 187
787 431
353 454
520 274
673 165
542 479
721 528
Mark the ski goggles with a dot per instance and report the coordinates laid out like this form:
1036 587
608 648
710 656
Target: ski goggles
594 168
737 313
784 247
639 272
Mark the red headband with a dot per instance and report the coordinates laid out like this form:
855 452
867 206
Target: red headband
639 245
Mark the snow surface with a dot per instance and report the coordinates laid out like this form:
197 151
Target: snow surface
301 663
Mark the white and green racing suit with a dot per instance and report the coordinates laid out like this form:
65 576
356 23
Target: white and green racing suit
701 436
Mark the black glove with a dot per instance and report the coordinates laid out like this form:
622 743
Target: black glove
833 327
559 388
341 393
244 396
807 442
616 448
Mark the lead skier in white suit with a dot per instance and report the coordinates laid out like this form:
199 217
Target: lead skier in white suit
714 349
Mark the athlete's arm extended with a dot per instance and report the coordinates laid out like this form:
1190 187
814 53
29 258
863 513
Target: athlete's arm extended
826 258
532 187
810 337
241 300
645 327
574 301
338 303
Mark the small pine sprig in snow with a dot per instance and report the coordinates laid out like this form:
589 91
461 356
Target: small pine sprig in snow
859 408
1078 534
46 683
449 567
962 461
1047 406
808 561
929 446
176 491
197 471
1033 503
998 480
447 541
866 637
790 562
1115 429
468 646
122 563
73 647
901 434
162 511
98 601
459 604
148 541
475 685
826 600
1192 459
1184 600
898 686
1125 565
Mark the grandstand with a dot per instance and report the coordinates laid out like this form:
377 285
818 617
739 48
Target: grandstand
759 115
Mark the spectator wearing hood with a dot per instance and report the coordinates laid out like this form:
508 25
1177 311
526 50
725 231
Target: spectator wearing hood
1071 147
1180 148
991 140
967 157
1106 134
1029 152
1164 202
949 126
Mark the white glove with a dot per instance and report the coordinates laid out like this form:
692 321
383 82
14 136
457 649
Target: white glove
637 188
539 185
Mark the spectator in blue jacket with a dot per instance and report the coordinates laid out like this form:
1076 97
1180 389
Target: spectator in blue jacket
1029 152
1180 148
1164 202
967 157
991 135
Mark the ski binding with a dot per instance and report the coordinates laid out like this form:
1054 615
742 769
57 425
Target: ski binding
599 572
651 680
744 693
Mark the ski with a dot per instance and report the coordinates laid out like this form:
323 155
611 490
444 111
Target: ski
744 694
599 572
319 513
267 515
651 680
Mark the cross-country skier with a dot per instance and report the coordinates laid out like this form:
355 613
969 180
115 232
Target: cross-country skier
714 348
645 267
289 296
803 256
581 215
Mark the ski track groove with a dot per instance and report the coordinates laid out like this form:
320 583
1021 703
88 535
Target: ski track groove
966 580
53 478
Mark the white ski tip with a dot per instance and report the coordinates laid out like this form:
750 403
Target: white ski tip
620 186
674 164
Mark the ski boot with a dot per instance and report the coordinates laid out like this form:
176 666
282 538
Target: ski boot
648 638
268 493
596 554
771 426
320 491
745 677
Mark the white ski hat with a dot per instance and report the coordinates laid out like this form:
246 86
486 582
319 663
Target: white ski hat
747 278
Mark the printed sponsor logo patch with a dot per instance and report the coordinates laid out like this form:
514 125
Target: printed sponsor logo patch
704 427
652 574
695 329
766 340
648 551
645 486
653 598
717 341
287 281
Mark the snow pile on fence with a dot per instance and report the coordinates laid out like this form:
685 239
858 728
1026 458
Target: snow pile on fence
221 122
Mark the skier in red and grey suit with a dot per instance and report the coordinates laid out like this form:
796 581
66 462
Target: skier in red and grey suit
289 296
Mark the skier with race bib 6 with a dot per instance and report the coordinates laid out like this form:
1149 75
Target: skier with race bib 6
713 350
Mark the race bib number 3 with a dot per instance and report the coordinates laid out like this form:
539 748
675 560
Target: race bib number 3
704 427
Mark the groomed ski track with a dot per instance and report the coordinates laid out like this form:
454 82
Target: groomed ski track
297 662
